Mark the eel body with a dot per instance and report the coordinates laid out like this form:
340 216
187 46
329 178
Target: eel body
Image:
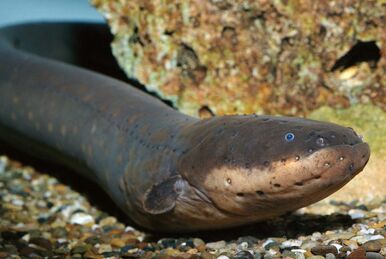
167 171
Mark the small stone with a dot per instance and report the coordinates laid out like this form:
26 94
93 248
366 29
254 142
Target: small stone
359 253
223 257
80 249
330 256
216 245
59 232
315 257
291 243
373 255
116 242
243 255
104 248
270 243
356 214
324 249
372 246
82 219
107 221
42 242
93 240
288 254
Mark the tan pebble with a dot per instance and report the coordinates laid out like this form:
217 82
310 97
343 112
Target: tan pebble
107 221
104 248
206 255
378 224
372 246
60 188
116 242
192 251
171 251
308 253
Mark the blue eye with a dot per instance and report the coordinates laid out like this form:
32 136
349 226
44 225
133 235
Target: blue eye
289 137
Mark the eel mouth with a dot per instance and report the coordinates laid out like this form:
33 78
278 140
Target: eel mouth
287 187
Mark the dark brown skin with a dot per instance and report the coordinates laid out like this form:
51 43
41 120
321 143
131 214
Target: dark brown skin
167 171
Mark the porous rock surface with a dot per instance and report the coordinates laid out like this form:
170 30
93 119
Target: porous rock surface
247 56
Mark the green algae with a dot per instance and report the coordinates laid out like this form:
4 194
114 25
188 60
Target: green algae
367 120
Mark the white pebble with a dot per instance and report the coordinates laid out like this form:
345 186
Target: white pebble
268 242
223 257
17 202
216 245
356 214
81 219
291 243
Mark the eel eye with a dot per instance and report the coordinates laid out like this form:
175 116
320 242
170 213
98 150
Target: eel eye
289 137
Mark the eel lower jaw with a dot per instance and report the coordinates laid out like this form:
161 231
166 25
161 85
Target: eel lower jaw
291 186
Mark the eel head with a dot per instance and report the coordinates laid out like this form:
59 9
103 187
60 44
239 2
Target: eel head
250 168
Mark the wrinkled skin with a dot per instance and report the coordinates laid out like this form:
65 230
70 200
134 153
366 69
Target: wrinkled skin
167 171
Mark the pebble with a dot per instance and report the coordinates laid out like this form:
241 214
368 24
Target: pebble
324 249
216 245
373 255
372 246
243 255
359 253
81 219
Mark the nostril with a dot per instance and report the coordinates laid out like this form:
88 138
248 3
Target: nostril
240 194
260 193
277 185
299 183
351 167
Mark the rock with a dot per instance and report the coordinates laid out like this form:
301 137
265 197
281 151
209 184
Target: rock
216 245
291 243
82 219
324 249
107 221
116 242
372 246
42 242
330 256
359 253
243 255
373 255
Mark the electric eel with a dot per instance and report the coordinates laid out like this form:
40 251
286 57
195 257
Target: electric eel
167 171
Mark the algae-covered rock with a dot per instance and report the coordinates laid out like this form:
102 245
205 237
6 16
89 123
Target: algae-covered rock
247 56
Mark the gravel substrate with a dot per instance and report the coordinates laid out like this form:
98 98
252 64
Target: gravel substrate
40 217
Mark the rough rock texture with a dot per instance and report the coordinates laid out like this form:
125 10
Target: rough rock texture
224 57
